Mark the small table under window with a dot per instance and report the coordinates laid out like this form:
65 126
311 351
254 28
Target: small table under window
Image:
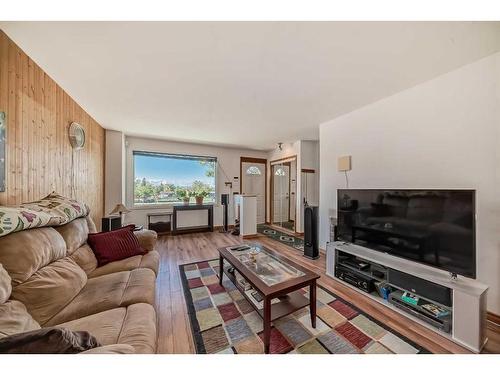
160 226
207 226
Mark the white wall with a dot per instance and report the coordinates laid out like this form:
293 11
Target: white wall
444 133
228 159
114 170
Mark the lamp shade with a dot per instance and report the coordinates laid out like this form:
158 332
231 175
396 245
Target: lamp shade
119 209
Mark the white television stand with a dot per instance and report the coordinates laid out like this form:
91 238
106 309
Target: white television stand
468 308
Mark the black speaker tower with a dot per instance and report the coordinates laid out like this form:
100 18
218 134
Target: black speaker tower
224 198
311 249
110 223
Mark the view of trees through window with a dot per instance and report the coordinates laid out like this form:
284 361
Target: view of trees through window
167 178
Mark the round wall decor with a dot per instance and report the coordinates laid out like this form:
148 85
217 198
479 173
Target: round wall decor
76 135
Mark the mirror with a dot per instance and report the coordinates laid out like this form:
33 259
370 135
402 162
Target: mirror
283 195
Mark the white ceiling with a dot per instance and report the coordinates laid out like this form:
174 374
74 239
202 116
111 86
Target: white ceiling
247 84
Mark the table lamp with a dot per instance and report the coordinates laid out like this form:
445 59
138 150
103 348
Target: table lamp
119 209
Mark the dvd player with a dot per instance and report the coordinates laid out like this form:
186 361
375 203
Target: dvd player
354 278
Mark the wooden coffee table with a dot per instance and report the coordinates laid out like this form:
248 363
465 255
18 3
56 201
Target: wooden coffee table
277 280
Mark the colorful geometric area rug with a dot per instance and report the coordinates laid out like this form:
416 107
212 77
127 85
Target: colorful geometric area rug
296 242
223 321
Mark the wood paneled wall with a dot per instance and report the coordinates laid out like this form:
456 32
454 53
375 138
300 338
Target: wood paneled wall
39 158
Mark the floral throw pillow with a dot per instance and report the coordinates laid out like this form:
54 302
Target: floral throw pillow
53 210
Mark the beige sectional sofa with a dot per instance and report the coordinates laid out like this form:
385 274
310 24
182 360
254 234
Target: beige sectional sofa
49 277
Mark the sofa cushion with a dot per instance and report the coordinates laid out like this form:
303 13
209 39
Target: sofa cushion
50 289
149 260
14 318
5 285
126 264
108 292
24 253
91 224
105 325
139 328
115 245
134 325
85 258
74 234
111 349
147 238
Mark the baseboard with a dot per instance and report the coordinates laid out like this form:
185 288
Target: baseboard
248 236
493 318
218 227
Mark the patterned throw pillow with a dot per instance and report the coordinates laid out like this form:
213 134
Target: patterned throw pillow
53 210
115 245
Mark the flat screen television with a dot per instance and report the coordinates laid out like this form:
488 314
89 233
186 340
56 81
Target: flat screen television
434 227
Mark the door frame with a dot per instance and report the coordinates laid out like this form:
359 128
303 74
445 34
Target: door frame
289 159
247 159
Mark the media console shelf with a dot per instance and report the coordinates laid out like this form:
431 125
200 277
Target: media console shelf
463 299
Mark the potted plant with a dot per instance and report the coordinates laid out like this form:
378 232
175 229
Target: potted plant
200 191
183 194
200 195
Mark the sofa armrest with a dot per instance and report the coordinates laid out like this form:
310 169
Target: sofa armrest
111 349
147 239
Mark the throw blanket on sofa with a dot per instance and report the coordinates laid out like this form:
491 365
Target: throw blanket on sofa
53 210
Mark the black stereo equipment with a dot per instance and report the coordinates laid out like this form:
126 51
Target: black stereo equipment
110 223
335 233
224 200
353 262
311 248
358 280
444 323
424 288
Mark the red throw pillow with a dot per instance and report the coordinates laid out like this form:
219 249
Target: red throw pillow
115 245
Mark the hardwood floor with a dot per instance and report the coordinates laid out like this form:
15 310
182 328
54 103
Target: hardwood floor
174 333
